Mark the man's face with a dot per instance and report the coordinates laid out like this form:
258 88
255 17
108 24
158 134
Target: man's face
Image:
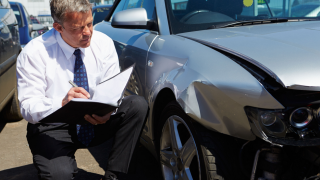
77 29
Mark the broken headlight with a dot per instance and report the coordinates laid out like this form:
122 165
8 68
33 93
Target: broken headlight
301 117
289 126
269 122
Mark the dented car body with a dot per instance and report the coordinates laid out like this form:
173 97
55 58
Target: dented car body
253 79
264 48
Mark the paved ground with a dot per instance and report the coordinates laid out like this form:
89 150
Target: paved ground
16 159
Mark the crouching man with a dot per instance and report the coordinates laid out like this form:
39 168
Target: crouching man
73 51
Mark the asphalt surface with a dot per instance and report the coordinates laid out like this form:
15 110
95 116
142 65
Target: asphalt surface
16 158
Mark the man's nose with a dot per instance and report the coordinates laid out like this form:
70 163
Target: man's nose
86 31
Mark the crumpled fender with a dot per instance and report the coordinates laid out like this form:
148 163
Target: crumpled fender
215 96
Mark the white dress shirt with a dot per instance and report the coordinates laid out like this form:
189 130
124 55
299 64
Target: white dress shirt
46 64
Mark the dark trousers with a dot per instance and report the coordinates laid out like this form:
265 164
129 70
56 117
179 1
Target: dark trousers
53 146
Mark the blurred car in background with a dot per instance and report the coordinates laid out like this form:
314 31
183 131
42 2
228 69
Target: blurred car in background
27 29
45 20
100 12
9 51
36 21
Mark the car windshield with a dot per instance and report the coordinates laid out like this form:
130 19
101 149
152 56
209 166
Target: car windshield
304 10
99 14
194 15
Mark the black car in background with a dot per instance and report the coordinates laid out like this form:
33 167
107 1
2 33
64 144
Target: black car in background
100 12
9 51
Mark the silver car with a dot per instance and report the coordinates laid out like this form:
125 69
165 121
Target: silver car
233 90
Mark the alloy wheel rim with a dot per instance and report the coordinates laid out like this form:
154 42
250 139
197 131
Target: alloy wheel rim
179 157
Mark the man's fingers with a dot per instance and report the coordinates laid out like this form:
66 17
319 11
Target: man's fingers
97 119
102 119
79 95
91 120
82 91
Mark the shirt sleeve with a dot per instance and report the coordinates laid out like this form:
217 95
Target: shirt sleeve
110 60
31 84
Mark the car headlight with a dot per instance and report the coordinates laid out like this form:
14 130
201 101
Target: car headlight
301 117
268 121
291 126
268 118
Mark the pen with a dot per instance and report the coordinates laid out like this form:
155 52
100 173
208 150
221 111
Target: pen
73 84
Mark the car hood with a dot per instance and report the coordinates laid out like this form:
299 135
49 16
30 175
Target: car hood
289 52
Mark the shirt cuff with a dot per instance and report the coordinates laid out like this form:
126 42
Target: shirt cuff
56 104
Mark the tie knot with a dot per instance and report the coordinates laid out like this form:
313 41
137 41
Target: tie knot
77 52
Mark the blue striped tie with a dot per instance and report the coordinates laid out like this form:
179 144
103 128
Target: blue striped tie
85 132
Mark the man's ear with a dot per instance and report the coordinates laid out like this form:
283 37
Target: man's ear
57 27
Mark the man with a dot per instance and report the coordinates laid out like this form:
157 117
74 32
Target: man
73 51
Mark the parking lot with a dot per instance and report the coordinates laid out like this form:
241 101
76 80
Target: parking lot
16 158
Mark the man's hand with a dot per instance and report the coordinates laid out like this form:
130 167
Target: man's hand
97 119
75 92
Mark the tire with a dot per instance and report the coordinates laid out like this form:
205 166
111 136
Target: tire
198 153
11 112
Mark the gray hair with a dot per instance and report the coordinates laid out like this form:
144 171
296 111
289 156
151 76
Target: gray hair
60 7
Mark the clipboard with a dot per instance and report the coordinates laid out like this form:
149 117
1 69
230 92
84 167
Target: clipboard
107 98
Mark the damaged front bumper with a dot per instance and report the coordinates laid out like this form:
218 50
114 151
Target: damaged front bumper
298 126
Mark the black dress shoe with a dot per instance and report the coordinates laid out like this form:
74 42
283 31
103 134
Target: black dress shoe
109 177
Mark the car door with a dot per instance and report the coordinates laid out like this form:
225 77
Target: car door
24 20
21 22
9 49
132 45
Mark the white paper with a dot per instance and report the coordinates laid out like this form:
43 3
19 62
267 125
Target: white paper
111 91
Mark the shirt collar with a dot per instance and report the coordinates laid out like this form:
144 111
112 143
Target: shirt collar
66 48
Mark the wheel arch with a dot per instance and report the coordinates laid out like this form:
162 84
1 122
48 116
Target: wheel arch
164 97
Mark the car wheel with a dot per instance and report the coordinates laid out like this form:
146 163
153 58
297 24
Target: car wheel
188 151
11 112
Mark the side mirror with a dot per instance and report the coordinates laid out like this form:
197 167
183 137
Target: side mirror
135 18
38 27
